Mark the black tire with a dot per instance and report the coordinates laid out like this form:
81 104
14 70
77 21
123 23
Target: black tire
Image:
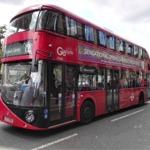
87 112
141 100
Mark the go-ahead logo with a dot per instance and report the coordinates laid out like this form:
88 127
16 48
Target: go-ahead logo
63 52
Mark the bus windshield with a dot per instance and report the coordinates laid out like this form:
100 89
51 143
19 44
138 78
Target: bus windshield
22 87
48 20
23 23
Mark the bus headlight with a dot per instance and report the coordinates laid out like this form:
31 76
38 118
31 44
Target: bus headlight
29 116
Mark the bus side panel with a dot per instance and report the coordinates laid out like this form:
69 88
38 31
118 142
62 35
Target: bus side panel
100 102
97 96
124 98
130 97
135 96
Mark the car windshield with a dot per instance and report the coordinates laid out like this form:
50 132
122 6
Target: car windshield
23 23
21 86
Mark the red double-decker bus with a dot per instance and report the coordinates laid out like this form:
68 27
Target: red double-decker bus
59 68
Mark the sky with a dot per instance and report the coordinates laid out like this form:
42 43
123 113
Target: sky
129 19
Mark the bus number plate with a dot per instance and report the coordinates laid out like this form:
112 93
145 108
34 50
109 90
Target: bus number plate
10 120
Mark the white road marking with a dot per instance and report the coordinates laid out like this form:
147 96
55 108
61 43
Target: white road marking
137 126
55 142
2 123
148 102
127 115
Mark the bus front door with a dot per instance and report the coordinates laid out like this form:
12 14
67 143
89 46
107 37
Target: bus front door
63 93
112 90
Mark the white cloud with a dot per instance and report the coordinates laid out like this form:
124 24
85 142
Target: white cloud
127 18
13 2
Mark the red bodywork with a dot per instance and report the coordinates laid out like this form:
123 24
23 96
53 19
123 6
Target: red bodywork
64 49
9 117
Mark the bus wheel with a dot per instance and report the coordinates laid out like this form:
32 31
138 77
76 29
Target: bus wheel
141 99
87 112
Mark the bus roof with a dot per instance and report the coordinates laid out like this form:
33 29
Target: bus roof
77 18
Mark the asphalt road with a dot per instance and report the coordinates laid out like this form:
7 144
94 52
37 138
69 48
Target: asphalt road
125 130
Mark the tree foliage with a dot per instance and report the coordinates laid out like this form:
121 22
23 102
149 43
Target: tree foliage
2 34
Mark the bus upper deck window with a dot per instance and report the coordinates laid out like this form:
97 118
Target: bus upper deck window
136 51
89 33
111 42
121 48
71 27
47 20
102 38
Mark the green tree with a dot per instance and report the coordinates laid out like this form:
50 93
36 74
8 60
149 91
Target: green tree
2 35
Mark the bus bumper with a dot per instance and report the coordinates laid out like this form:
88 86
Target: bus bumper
7 116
